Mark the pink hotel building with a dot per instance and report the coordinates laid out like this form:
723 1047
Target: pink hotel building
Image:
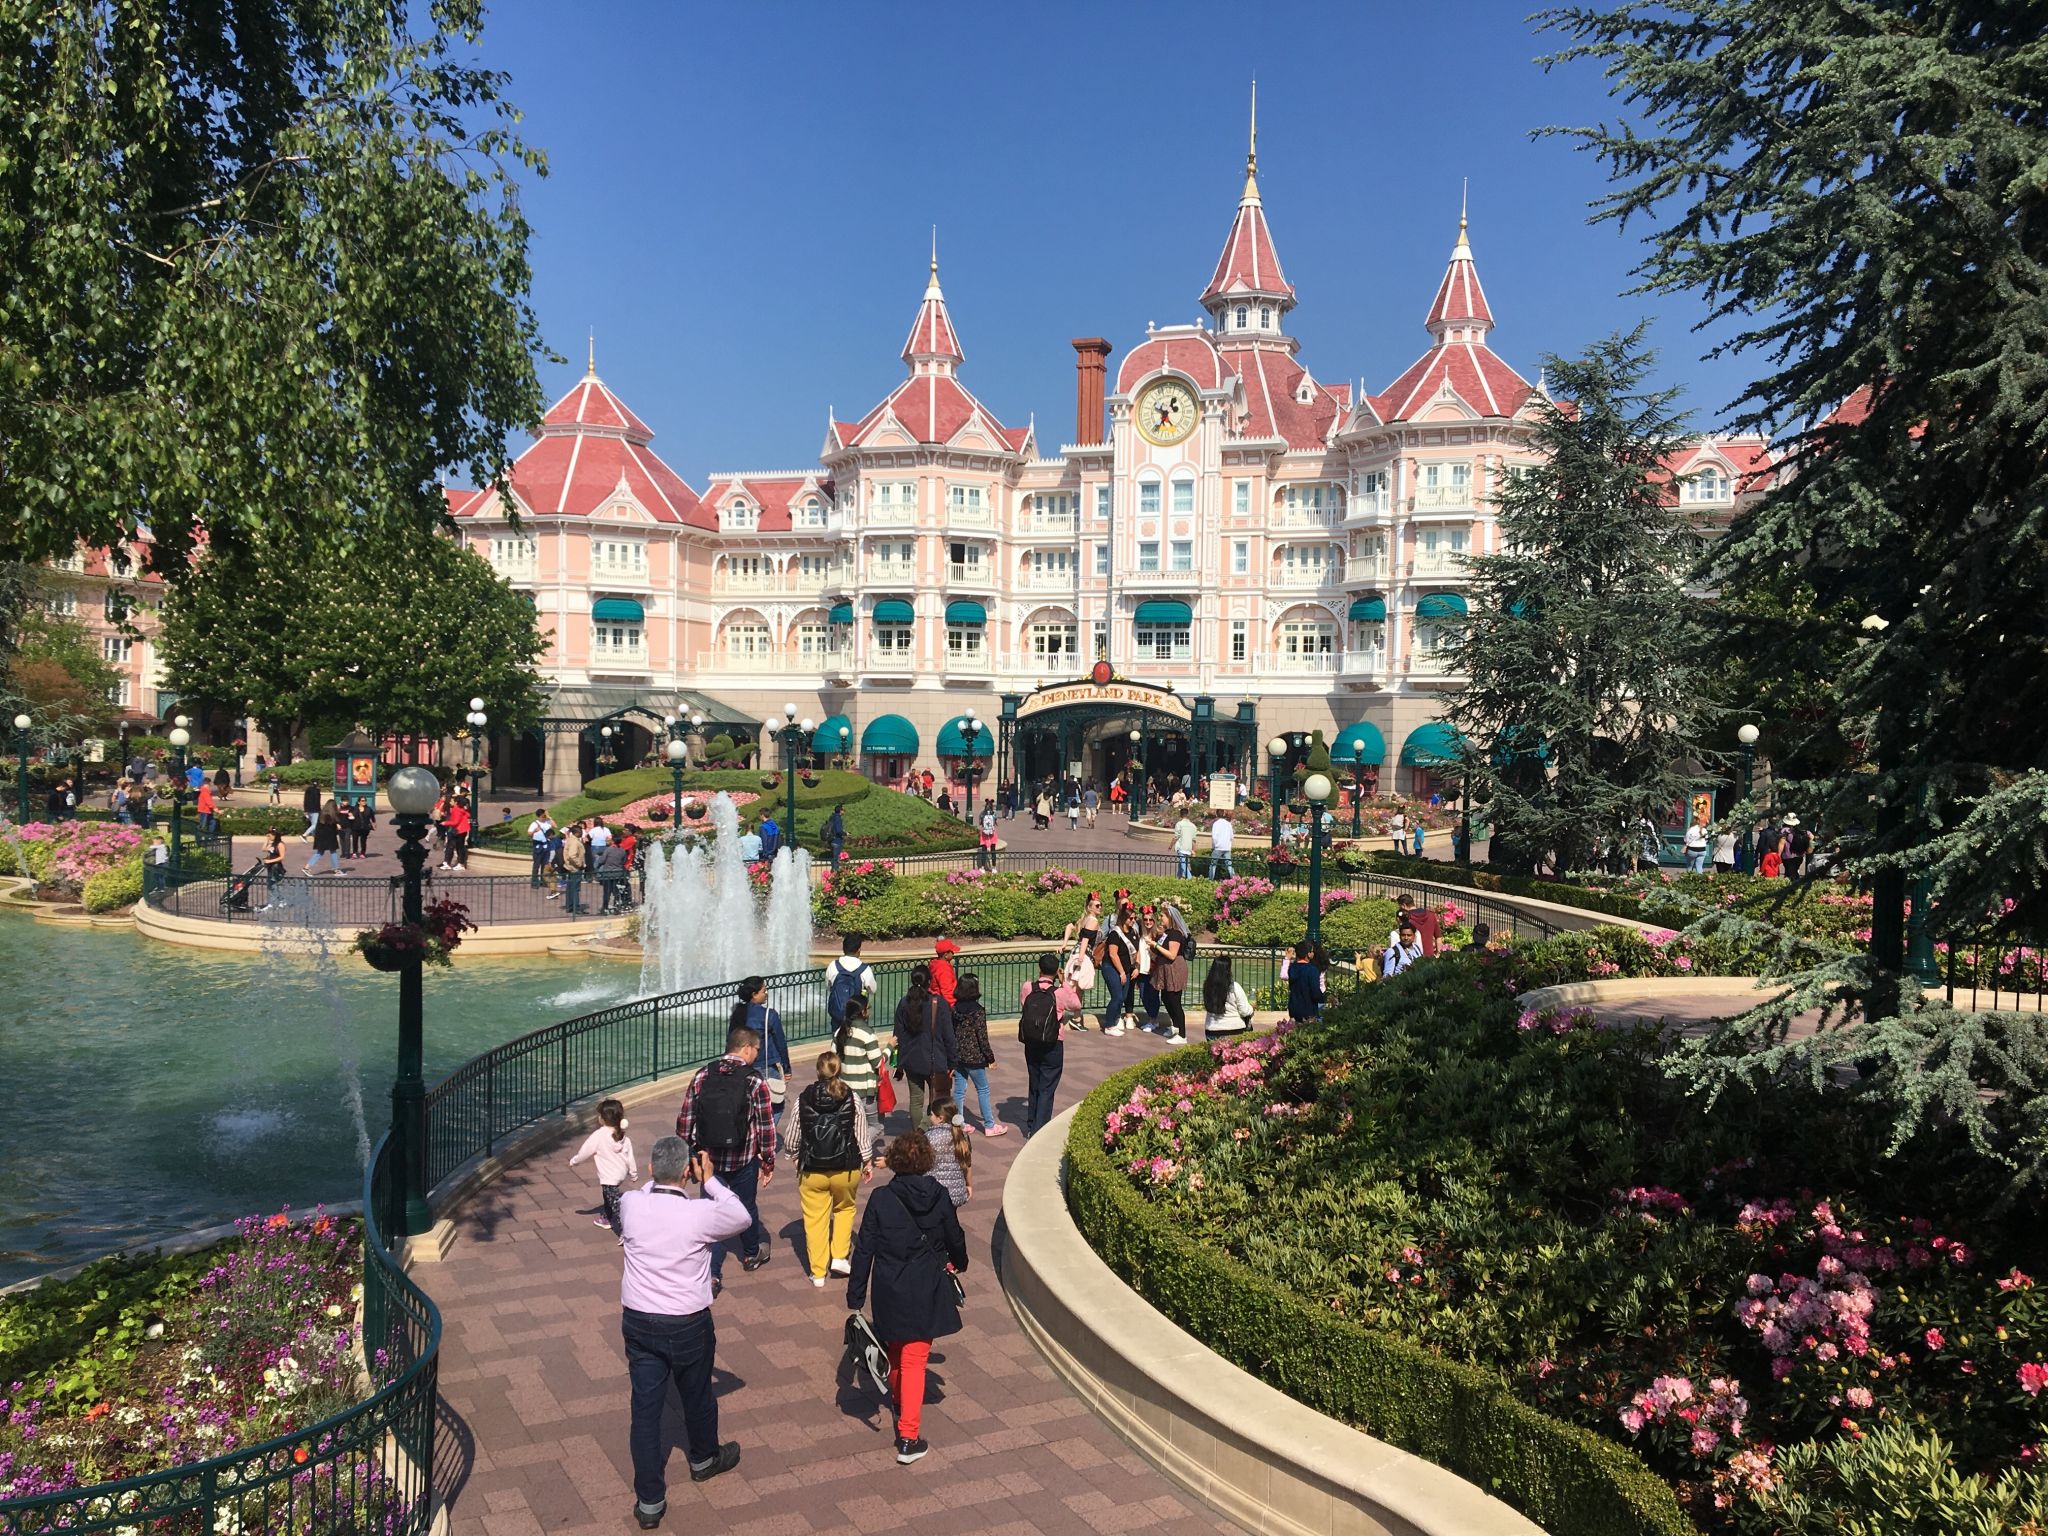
1260 546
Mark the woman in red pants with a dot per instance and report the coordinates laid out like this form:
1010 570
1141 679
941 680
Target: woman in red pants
910 1242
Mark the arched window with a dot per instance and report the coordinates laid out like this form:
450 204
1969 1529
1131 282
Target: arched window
739 514
1265 317
814 513
1244 316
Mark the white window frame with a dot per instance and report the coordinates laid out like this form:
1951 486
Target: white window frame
1055 645
1180 555
1102 501
894 641
1241 497
1148 556
966 642
1240 557
1148 497
740 513
118 649
1163 642
1183 493
1102 559
1240 640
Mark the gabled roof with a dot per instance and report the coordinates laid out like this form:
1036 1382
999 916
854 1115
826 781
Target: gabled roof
1191 352
932 408
1752 464
773 494
1272 398
1475 375
590 447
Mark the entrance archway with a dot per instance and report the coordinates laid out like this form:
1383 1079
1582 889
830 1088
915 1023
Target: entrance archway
1084 730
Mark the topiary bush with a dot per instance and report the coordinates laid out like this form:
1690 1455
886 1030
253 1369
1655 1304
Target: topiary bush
113 888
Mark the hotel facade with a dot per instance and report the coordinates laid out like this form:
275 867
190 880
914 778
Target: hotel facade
1238 540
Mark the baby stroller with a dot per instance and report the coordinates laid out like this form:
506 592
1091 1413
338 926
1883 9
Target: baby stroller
236 897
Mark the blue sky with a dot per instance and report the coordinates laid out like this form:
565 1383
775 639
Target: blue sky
741 195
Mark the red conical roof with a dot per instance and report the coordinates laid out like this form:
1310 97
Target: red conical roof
931 335
1460 301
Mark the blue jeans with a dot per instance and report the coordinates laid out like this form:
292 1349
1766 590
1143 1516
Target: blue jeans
1148 994
1118 990
572 893
1043 1064
661 1348
331 855
744 1181
980 1077
1696 860
1180 861
1220 859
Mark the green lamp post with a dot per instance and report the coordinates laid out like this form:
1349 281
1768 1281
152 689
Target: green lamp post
1357 793
678 753
413 792
21 725
795 736
1318 789
970 737
1276 750
181 738
1138 763
477 720
1747 735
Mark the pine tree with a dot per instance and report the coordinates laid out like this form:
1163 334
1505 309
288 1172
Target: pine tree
1584 702
1857 188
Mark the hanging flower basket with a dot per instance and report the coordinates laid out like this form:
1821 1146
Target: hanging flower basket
433 939
810 781
771 781
657 813
693 809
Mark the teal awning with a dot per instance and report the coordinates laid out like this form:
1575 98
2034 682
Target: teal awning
1512 745
827 738
890 734
1360 743
1164 610
1441 605
1368 610
617 610
1432 746
965 611
893 610
953 740
842 613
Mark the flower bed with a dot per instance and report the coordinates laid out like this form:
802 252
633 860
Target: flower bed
650 808
1514 1245
870 898
136 1366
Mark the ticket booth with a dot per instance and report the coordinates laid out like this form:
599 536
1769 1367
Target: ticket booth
355 769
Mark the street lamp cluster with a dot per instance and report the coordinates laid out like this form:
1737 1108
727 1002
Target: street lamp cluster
181 738
477 721
795 737
1316 789
970 728
21 725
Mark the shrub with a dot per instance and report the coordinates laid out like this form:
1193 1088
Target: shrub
110 889
965 903
1894 1480
1532 1197
1461 1418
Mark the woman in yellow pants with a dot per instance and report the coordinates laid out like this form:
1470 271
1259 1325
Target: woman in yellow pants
827 1125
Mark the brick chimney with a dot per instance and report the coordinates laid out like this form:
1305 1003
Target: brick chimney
1091 366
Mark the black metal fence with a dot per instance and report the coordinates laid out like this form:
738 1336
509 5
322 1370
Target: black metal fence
525 1081
1995 973
356 901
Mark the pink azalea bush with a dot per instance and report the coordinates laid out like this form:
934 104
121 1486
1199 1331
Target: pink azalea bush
1723 1290
65 855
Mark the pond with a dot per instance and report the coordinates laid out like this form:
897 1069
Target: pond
146 1089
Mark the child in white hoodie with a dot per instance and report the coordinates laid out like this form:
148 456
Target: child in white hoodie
614 1154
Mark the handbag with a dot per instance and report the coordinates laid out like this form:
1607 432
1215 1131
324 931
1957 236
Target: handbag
885 1094
952 1275
864 1352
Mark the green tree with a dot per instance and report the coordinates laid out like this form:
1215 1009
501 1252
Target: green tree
1773 649
1582 654
265 267
1857 189
397 631
58 676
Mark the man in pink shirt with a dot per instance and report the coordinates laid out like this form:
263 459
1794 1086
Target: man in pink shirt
665 1296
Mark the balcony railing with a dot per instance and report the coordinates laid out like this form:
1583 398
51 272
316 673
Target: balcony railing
977 575
1301 518
1316 661
977 661
1432 666
890 663
1376 508
757 581
893 515
1441 564
1043 524
1444 498
1358 666
748 661
1047 581
612 658
1296 578
1367 570
1159 581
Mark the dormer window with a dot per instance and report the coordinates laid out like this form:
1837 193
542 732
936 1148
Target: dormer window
813 513
1265 317
739 514
1244 317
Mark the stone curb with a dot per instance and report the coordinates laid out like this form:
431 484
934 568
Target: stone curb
1252 1453
1648 990
497 939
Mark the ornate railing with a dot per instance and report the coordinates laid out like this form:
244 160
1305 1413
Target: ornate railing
366 1471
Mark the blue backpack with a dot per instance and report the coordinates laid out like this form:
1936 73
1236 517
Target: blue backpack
846 986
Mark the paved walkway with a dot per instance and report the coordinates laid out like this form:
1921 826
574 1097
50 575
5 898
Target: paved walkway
533 1379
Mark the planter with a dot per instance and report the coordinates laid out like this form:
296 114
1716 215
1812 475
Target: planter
385 957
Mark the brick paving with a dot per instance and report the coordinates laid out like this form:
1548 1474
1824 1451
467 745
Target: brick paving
533 1379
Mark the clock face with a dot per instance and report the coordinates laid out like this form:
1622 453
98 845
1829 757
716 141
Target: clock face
1167 412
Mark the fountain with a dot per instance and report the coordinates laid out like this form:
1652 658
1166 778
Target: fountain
701 921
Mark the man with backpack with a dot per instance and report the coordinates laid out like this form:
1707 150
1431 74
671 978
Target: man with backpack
727 1113
846 978
1038 1031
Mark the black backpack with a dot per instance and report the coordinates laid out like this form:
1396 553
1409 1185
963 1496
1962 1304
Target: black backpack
1039 1023
1183 932
725 1102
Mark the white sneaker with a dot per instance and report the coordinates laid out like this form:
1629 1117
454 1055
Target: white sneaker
1175 1038
818 1282
840 1267
1114 1030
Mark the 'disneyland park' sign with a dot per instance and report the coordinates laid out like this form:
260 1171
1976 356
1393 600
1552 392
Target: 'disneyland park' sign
1118 691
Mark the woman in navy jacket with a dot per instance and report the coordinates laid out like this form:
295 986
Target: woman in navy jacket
909 1241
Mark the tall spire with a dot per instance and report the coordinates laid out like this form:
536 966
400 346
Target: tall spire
1248 271
1460 312
1251 159
932 346
591 372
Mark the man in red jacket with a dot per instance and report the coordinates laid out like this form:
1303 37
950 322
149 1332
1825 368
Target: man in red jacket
944 981
1422 920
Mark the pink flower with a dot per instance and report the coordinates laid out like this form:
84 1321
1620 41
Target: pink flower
1934 1338
1632 1420
1704 1441
1859 1397
2016 1281
2033 1376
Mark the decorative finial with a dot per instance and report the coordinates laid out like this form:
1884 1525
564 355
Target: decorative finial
593 353
1463 249
1251 159
931 287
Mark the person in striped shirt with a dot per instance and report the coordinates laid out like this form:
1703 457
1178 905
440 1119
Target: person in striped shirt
861 1065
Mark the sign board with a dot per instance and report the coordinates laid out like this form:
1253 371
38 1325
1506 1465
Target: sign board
1222 791
1161 701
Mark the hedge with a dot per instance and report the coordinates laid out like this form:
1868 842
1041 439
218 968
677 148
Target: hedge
1564 1477
1382 862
